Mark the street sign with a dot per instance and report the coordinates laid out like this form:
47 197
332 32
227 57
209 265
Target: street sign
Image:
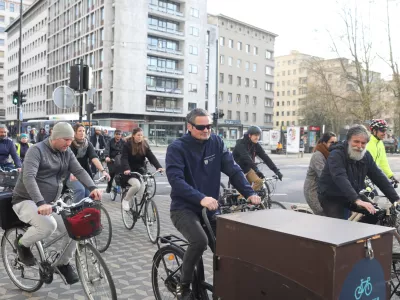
64 97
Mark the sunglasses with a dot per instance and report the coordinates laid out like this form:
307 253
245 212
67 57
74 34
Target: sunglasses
201 127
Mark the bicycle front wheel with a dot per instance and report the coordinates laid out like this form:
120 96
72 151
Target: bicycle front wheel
94 274
129 218
152 220
103 240
275 204
24 277
151 187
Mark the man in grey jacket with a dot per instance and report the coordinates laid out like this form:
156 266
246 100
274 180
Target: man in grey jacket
46 166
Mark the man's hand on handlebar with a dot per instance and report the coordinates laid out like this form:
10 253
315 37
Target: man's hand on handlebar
19 170
95 194
45 210
210 203
161 170
366 205
254 199
108 159
279 174
127 172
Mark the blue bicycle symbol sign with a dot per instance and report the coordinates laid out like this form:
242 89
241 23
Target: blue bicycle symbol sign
365 287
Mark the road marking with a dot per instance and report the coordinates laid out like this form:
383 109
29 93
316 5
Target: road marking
279 195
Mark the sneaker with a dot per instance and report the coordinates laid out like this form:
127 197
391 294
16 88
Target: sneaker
183 292
108 190
24 253
69 273
125 205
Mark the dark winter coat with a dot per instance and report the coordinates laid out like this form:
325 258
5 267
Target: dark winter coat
137 163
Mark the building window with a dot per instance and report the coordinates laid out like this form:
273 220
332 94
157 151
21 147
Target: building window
229 115
230 79
246 116
293 113
12 8
247 65
277 123
238 115
288 93
221 41
254 83
268 87
238 98
269 70
229 98
247 48
221 77
3 19
221 59
294 92
254 117
191 106
269 54
1 42
239 46
230 61
230 43
247 82
194 31
192 88
2 5
277 113
283 93
2 29
268 102
221 96
193 50
254 100
267 118
194 12
247 99
294 102
254 67
193 69
239 81
255 50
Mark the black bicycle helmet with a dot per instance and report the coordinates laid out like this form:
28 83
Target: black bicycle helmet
254 130
378 124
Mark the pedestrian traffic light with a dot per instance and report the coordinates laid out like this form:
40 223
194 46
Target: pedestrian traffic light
23 99
15 98
221 114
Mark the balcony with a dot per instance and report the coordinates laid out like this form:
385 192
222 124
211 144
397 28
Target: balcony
163 11
164 70
171 33
168 52
164 109
158 89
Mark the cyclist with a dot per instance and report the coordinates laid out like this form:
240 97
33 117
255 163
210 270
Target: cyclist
22 146
376 147
194 163
84 152
45 168
245 152
42 135
7 148
344 174
134 154
114 151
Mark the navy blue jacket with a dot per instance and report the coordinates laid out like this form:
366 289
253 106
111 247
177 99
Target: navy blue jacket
343 178
194 171
7 147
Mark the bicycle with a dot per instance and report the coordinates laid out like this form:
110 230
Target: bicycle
174 251
150 215
31 279
103 240
365 287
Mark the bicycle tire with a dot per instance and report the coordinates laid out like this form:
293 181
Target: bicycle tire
152 238
96 257
280 205
103 248
154 187
128 216
4 253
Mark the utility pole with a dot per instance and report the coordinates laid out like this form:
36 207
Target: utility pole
19 70
81 90
216 86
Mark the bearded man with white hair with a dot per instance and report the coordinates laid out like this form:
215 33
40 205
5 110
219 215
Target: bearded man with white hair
344 174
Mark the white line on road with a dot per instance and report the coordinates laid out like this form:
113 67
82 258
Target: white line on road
279 195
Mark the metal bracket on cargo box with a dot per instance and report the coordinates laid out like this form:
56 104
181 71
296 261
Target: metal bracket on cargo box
369 252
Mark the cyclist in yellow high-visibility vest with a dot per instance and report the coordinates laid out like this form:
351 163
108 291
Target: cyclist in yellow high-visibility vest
23 146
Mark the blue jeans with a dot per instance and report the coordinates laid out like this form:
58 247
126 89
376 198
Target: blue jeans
79 190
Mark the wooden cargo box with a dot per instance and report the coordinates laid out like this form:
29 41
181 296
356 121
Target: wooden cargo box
282 254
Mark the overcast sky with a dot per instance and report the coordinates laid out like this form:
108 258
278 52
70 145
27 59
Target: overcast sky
304 25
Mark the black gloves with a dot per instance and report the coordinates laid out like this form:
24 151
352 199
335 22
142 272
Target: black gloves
260 174
279 174
395 181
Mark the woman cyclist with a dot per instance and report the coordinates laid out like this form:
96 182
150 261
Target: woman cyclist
134 154
85 153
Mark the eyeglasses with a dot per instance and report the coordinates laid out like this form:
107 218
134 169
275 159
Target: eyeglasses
201 127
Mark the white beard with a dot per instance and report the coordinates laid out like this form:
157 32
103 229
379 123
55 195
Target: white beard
356 155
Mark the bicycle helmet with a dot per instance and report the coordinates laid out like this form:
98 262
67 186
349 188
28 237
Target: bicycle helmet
254 130
378 124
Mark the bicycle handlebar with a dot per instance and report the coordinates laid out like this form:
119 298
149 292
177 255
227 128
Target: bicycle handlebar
9 171
60 205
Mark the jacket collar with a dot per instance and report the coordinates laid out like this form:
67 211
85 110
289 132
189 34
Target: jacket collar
374 140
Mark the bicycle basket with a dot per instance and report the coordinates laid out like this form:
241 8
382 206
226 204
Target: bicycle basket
83 222
8 179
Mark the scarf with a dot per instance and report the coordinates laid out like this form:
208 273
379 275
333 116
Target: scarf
323 149
81 146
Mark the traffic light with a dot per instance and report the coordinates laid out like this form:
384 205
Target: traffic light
23 99
15 98
221 114
90 108
215 117
75 78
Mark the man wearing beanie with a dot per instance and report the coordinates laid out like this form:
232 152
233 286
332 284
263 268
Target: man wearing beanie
7 148
46 166
22 146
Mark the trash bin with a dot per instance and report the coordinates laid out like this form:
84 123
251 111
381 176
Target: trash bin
282 254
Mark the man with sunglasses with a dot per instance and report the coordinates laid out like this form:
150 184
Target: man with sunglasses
113 152
194 164
377 149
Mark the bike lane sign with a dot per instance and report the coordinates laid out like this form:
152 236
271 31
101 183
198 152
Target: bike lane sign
366 281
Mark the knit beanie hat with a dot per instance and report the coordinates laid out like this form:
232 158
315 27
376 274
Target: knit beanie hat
23 135
62 130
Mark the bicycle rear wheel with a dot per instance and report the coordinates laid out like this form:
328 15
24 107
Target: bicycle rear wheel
151 187
24 277
152 220
103 240
94 274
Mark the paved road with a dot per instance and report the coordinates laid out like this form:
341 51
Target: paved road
130 254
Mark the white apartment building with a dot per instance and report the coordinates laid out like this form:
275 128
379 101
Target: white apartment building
246 76
9 11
